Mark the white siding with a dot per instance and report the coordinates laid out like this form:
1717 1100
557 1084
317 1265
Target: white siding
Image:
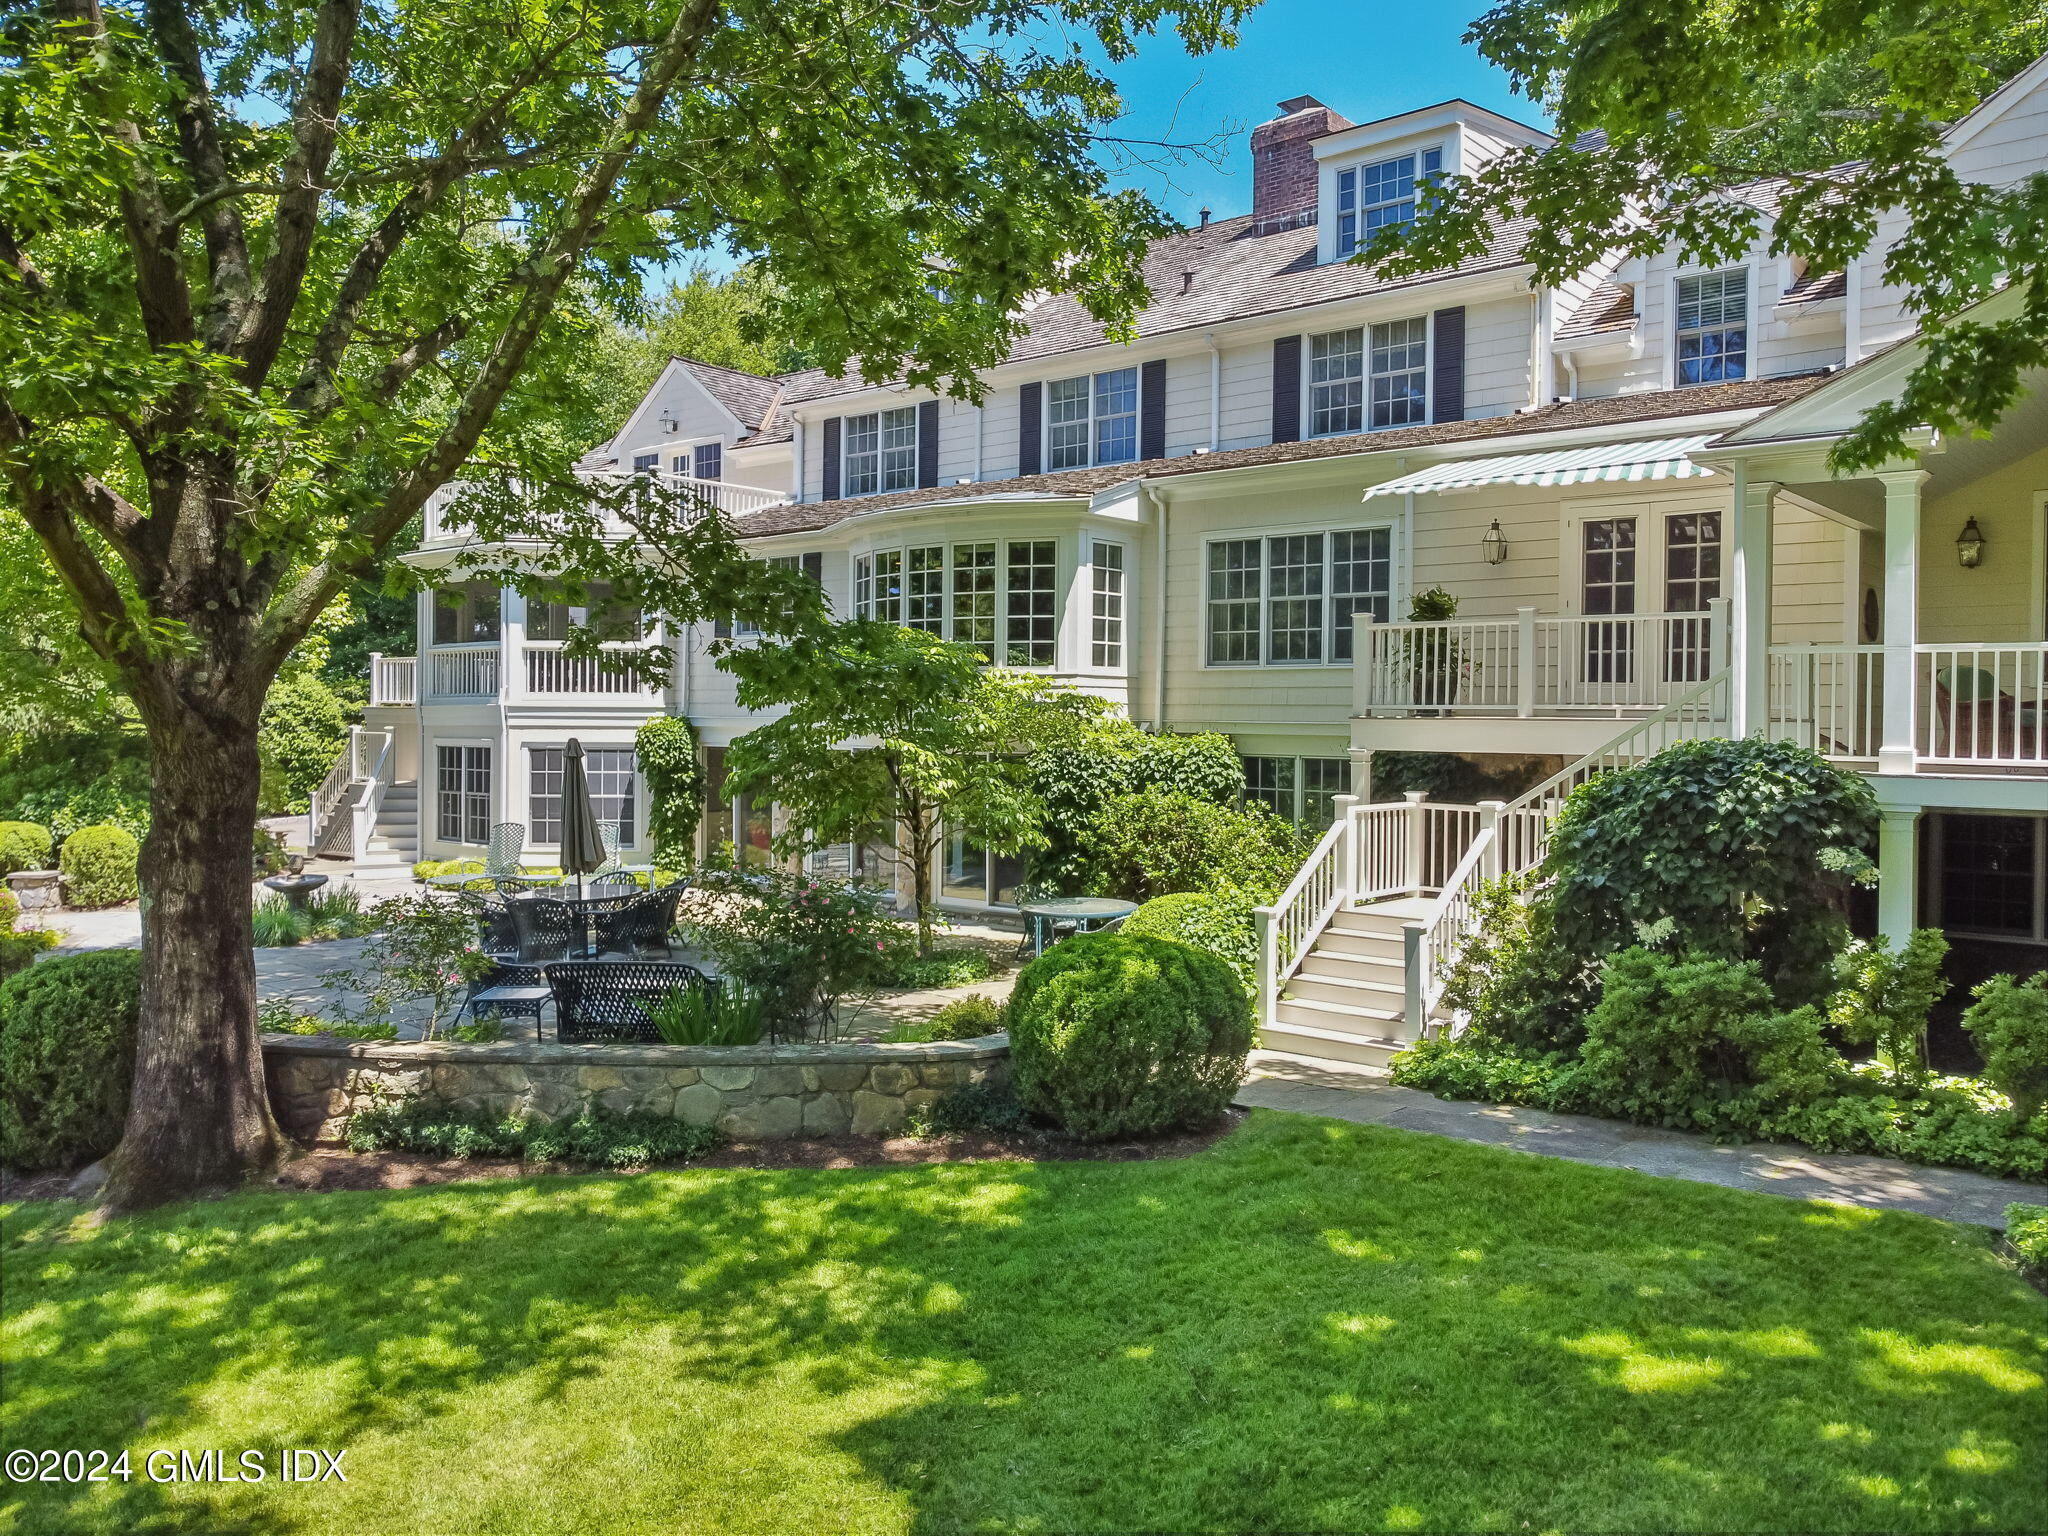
1497 351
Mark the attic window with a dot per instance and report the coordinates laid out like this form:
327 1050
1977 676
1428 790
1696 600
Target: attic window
1371 197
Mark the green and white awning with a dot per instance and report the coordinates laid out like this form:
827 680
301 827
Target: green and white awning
1661 458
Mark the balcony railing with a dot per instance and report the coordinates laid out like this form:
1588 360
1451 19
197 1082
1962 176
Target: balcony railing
394 679
732 499
549 670
1536 664
470 672
1974 706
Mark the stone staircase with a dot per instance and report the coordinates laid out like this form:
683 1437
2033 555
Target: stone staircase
394 843
1348 1000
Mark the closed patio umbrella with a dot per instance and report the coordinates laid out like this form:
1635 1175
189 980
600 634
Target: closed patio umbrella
582 843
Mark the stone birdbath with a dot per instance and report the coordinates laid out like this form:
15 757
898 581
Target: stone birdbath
296 885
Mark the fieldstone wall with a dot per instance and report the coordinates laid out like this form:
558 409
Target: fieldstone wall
748 1092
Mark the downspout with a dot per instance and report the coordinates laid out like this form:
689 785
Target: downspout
1852 312
1539 347
1215 392
1158 613
1571 372
796 469
980 424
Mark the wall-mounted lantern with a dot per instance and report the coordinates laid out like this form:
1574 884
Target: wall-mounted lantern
1970 545
1495 545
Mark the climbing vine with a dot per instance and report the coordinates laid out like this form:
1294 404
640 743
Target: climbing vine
666 749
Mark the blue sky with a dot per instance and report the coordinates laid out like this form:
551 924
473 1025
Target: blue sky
1363 58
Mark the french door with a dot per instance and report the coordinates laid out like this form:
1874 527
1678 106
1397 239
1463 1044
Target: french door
1607 599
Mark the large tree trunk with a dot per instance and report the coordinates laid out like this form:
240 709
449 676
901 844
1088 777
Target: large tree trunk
200 1118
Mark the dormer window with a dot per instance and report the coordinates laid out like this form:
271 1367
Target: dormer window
1370 197
881 451
1713 327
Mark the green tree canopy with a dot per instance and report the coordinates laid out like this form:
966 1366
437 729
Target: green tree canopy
1660 106
271 274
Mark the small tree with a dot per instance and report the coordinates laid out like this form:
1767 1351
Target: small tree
893 728
1884 997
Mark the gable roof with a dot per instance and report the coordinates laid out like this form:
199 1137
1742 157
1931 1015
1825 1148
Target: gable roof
1082 484
1609 307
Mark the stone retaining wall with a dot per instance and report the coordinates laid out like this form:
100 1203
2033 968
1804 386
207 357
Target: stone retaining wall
748 1092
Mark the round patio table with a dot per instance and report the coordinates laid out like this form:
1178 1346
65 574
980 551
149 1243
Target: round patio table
1084 912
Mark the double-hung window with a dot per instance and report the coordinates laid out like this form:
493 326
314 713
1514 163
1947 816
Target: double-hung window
1713 327
878 586
462 794
646 463
881 452
924 595
1370 197
1288 600
1368 376
1092 419
1031 610
1302 790
610 774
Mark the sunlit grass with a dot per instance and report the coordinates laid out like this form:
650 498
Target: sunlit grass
1312 1326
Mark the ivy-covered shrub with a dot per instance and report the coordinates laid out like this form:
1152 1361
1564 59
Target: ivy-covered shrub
1118 1036
1741 849
665 749
24 845
1159 841
18 951
972 1109
1076 779
302 731
1222 922
2009 1021
67 1058
98 865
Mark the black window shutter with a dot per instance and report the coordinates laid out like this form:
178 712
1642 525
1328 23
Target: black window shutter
927 444
1287 389
1152 410
721 629
1447 367
831 458
1030 422
814 565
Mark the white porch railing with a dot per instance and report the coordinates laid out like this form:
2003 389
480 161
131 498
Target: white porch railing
1974 706
549 670
393 679
1537 664
468 672
337 802
724 495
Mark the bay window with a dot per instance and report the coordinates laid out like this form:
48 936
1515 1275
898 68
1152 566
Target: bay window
1288 599
1000 596
1106 613
881 452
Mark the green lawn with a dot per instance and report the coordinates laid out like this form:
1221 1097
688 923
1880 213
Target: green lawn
1314 1326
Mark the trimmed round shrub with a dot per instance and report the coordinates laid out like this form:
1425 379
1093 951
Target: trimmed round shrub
24 845
99 867
965 1018
18 951
1220 922
1115 1035
67 1058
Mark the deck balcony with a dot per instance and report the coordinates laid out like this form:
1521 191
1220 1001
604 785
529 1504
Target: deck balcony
725 496
474 674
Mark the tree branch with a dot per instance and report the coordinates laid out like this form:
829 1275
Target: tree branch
227 250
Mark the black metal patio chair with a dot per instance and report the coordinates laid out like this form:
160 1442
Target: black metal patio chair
602 999
548 929
643 923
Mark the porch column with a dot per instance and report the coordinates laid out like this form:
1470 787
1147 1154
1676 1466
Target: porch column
1898 872
1749 637
1361 774
1901 615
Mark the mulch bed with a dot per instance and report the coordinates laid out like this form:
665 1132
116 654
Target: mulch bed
330 1168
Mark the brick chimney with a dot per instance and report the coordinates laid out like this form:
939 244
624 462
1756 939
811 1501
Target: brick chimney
1284 166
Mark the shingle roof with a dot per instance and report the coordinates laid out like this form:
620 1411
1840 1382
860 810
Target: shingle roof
1813 287
1610 307
1614 410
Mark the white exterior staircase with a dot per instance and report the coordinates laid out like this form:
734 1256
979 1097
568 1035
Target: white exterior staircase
394 840
1354 955
360 812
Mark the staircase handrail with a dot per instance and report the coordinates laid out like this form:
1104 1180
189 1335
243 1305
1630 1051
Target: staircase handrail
376 779
1429 944
326 801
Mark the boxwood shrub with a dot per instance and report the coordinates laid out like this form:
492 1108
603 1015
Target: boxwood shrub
99 867
1220 922
67 1058
18 951
24 845
1113 1035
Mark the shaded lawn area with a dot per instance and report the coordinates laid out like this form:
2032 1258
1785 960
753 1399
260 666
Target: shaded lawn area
1312 1326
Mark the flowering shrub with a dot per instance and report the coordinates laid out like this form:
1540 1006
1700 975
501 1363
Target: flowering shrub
809 945
424 950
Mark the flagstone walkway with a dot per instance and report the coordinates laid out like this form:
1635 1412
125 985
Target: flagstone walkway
1279 1081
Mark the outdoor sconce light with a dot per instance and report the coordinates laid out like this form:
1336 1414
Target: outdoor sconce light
1970 545
1495 545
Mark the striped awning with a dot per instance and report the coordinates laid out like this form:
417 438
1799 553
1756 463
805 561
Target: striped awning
1662 458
